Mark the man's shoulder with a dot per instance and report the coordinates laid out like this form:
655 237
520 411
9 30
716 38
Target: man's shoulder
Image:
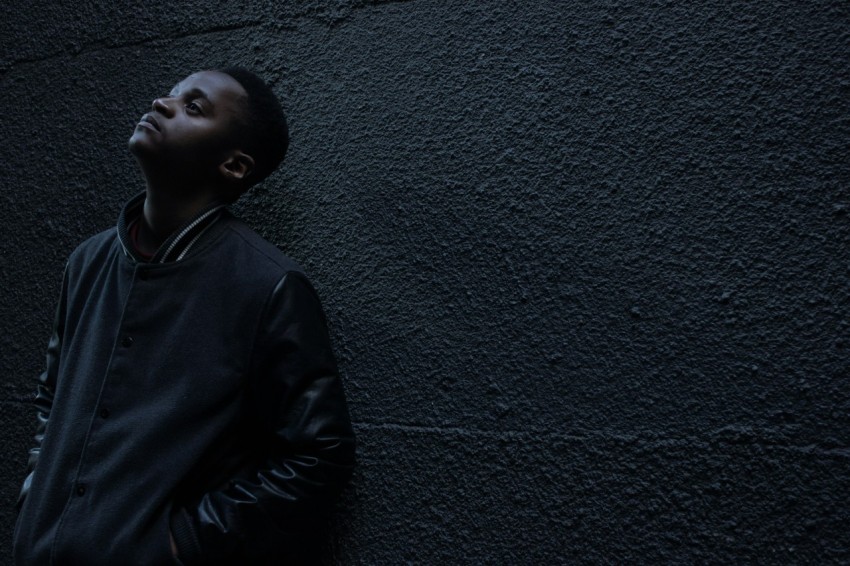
259 254
94 246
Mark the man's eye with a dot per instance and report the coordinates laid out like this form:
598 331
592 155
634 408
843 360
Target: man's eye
193 107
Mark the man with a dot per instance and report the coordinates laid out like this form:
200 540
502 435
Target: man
191 411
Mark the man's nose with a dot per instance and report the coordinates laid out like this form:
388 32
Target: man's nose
161 106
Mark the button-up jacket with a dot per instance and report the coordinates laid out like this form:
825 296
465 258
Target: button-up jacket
192 395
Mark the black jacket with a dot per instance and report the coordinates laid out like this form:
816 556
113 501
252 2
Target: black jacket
195 393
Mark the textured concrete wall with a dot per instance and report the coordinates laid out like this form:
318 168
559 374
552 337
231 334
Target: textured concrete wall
586 264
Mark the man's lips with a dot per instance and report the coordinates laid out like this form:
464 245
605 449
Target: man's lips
149 121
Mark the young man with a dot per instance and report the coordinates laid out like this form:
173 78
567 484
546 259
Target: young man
191 411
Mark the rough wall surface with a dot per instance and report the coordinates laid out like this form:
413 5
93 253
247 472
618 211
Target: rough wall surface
586 264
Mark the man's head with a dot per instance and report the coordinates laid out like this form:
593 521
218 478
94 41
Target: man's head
223 130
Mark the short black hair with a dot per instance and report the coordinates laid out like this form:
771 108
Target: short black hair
264 131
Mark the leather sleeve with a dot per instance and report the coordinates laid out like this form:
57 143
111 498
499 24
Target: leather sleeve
296 398
46 386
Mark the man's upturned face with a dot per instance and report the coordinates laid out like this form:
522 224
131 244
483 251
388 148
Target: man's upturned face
190 130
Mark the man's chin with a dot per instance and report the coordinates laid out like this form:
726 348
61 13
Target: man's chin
139 146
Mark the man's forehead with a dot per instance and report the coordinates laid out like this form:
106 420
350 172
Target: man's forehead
211 84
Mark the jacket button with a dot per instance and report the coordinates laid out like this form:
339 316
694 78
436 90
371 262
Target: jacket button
104 413
127 341
81 489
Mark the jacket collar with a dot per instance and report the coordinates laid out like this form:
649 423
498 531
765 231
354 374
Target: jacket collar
176 246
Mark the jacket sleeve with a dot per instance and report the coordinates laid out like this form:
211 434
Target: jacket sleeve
296 398
46 386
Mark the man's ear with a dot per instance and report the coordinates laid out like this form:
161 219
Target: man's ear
237 166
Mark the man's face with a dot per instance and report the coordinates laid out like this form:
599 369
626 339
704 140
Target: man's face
190 130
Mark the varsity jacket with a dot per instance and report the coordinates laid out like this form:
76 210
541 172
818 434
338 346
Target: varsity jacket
192 394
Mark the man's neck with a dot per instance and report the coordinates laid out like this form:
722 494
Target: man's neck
166 211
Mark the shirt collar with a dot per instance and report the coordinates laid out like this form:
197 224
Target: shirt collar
176 246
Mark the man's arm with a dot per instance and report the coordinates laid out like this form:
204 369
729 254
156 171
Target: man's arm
297 398
46 386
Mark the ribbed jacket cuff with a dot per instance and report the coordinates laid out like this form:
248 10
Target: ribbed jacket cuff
185 538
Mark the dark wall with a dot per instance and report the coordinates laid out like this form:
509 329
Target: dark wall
586 264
